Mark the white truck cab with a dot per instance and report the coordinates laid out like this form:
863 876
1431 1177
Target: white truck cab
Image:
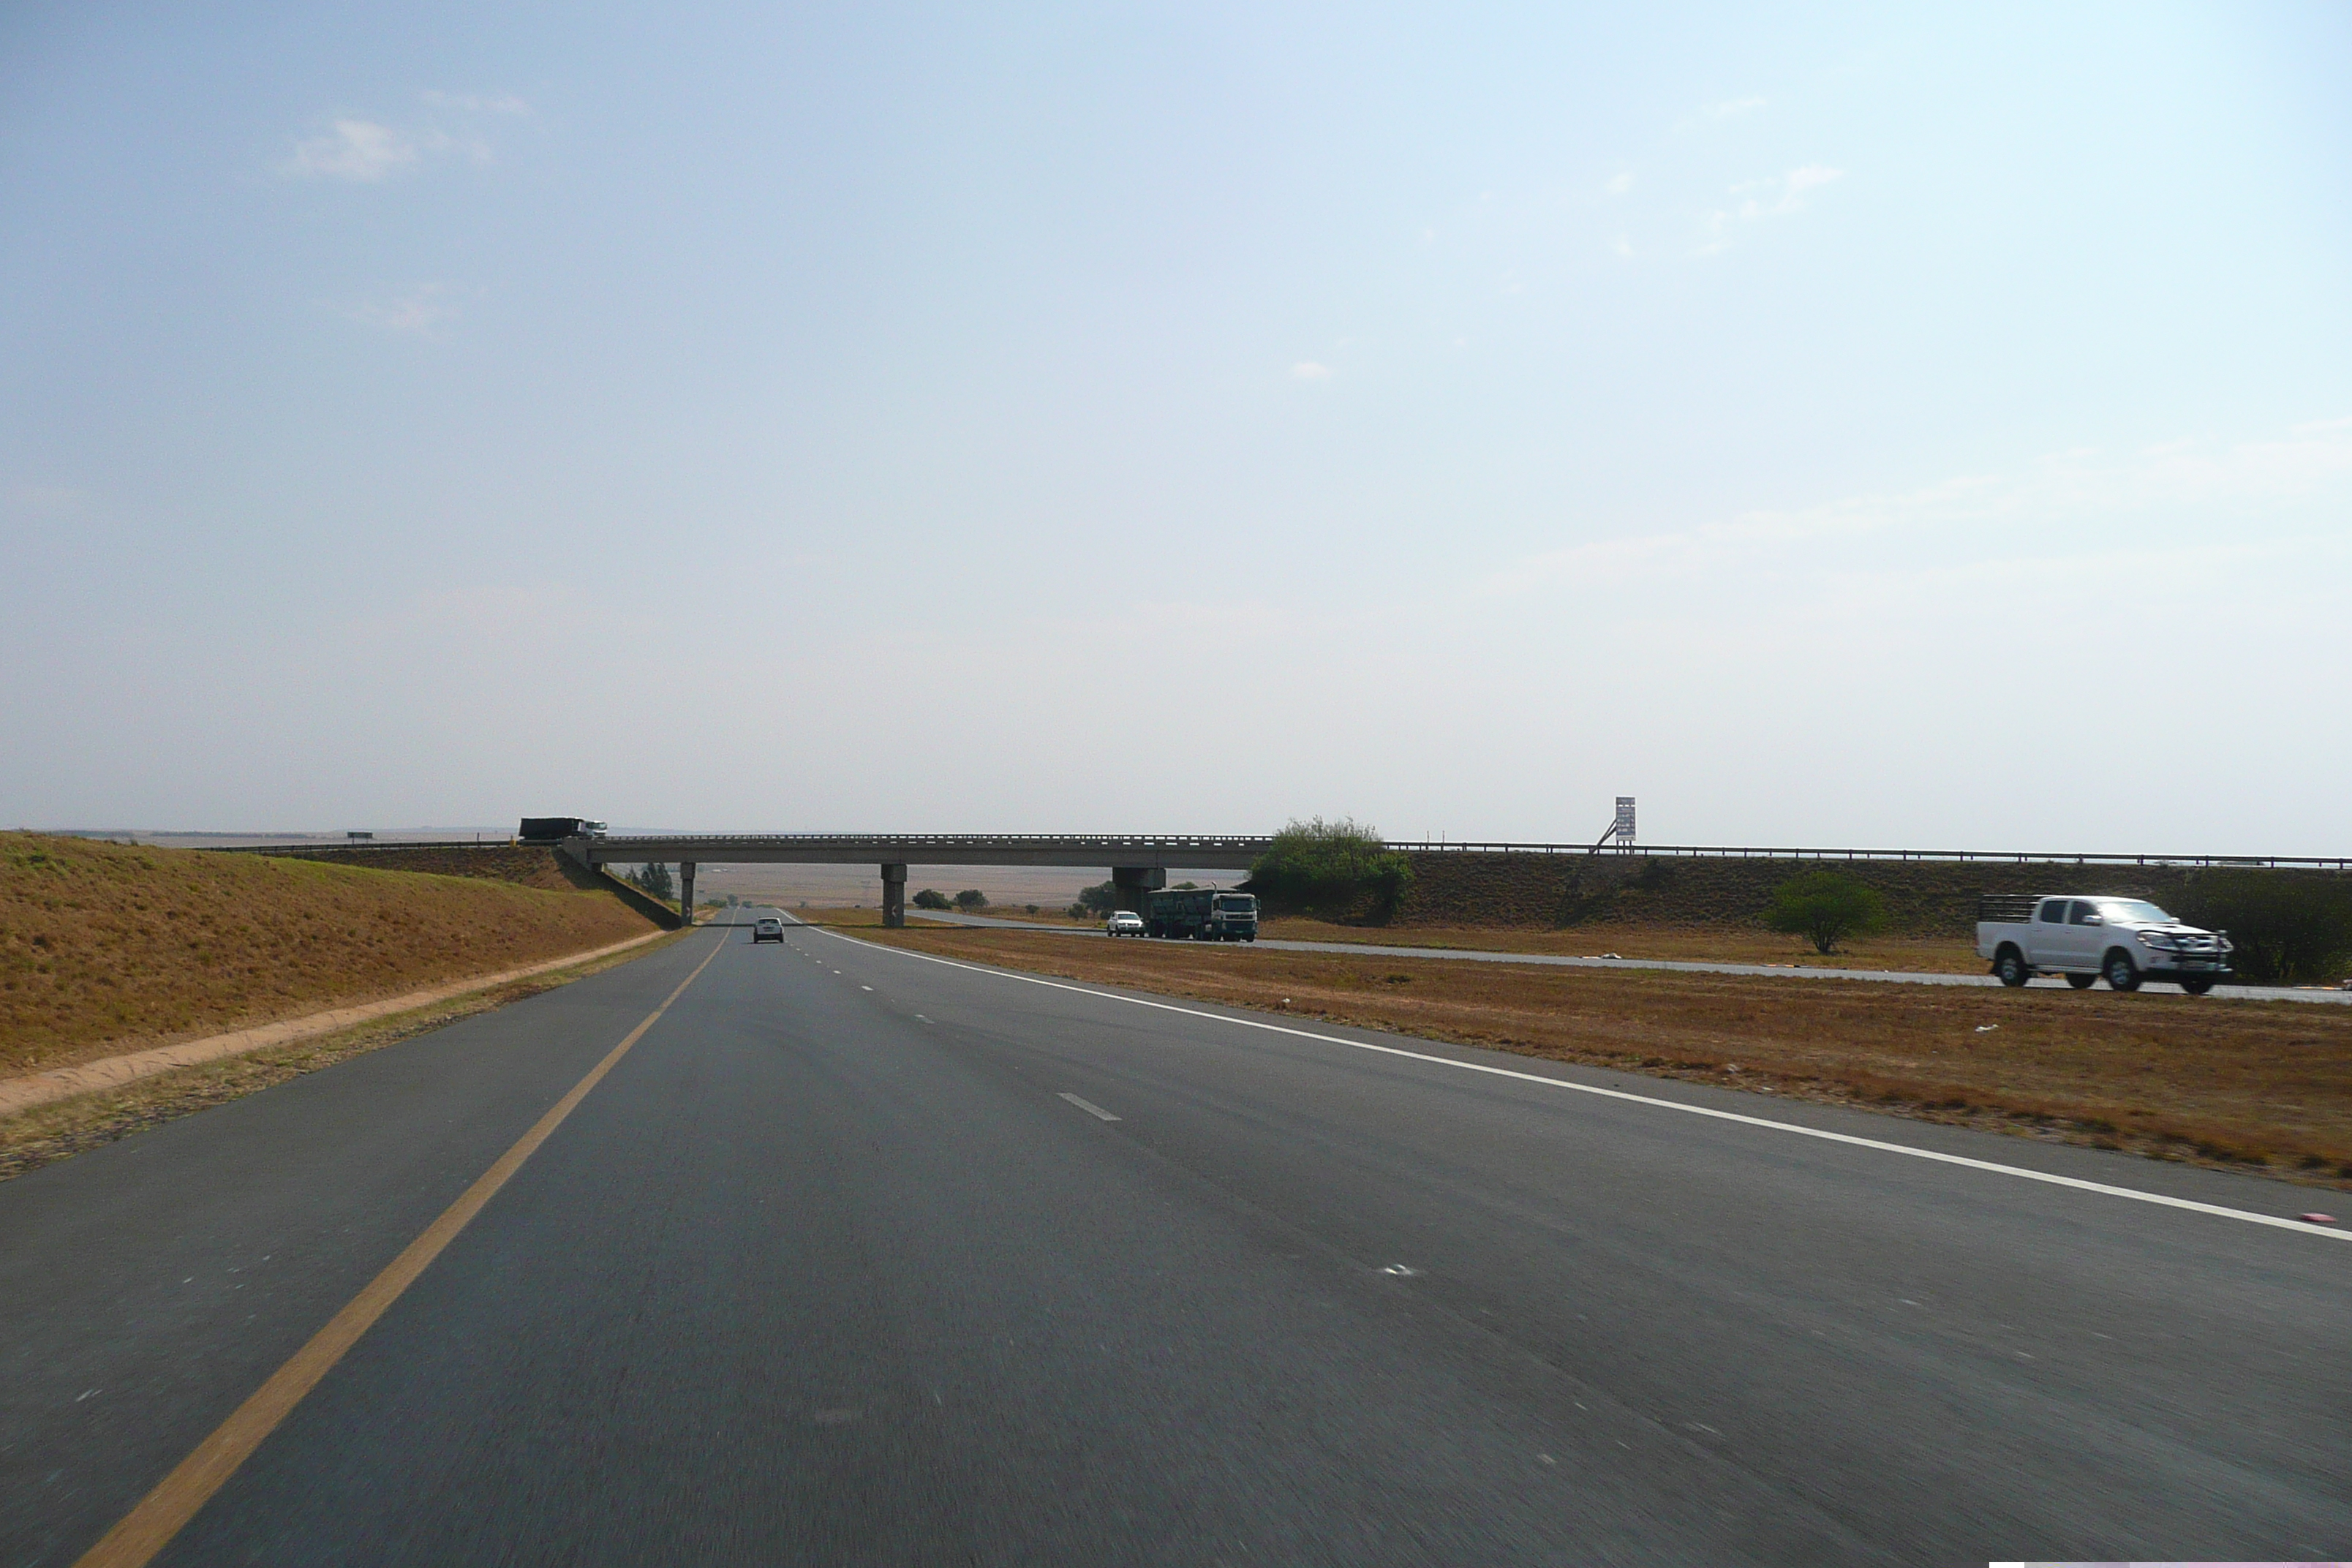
2084 938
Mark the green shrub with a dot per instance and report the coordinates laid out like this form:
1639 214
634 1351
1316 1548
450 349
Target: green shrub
1340 869
971 899
1825 907
930 899
1098 900
2288 929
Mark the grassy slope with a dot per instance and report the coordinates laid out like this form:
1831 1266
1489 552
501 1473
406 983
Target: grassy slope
105 948
1923 899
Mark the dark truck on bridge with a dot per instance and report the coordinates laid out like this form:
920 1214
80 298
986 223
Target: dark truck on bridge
1203 912
556 830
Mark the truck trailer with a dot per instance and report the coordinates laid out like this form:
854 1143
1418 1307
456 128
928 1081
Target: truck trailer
1205 913
556 830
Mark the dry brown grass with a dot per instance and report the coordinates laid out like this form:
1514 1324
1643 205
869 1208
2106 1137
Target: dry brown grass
48 1133
1704 944
1922 955
2262 1085
106 948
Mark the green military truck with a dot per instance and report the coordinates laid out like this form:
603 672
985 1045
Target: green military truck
1202 913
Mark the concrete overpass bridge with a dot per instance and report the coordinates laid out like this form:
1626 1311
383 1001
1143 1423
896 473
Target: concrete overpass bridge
1136 863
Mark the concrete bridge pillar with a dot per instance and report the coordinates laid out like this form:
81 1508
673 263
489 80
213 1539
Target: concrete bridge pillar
1128 884
894 896
686 892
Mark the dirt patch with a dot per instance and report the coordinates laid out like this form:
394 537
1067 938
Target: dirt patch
2261 1086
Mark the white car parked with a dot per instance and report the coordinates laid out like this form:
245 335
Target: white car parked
1124 922
2124 940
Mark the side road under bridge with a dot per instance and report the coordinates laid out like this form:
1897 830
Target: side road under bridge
1136 863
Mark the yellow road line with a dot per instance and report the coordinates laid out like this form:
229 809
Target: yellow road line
163 1512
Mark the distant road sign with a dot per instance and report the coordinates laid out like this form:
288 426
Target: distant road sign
1624 822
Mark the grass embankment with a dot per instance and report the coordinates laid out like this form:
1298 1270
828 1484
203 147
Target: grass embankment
2247 1085
62 1128
106 949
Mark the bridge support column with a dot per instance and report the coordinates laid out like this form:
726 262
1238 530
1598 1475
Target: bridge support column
1128 884
894 896
686 892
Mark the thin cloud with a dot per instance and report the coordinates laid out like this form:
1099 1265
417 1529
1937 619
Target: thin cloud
413 314
1618 186
2073 495
1777 195
476 103
356 150
1308 370
1783 194
1736 106
368 152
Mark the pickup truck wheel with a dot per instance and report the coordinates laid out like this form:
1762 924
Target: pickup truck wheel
2009 964
2199 987
2082 982
2122 974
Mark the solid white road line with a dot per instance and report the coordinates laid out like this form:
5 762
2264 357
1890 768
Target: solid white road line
1937 1156
1090 1107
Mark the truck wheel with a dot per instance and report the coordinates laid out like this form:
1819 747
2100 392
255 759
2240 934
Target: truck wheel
2199 987
2009 964
2122 974
2082 982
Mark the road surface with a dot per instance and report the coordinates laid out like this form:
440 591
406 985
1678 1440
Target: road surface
1688 966
861 1256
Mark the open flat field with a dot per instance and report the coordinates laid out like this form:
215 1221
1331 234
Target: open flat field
2255 1084
106 948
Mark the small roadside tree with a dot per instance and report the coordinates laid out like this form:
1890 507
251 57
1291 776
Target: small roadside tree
1340 869
1825 907
930 899
655 881
1098 900
971 899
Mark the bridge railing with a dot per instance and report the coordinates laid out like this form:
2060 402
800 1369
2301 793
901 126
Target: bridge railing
906 846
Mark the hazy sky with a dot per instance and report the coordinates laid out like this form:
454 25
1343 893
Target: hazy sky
1906 426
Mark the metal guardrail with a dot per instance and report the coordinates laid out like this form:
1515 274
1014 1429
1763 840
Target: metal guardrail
363 846
908 847
1111 842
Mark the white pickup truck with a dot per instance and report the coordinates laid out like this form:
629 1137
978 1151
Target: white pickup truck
2126 940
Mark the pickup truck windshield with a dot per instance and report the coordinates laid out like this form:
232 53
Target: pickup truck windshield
2133 910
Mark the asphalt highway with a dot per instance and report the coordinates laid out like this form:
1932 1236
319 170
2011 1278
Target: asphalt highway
857 1256
1688 966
